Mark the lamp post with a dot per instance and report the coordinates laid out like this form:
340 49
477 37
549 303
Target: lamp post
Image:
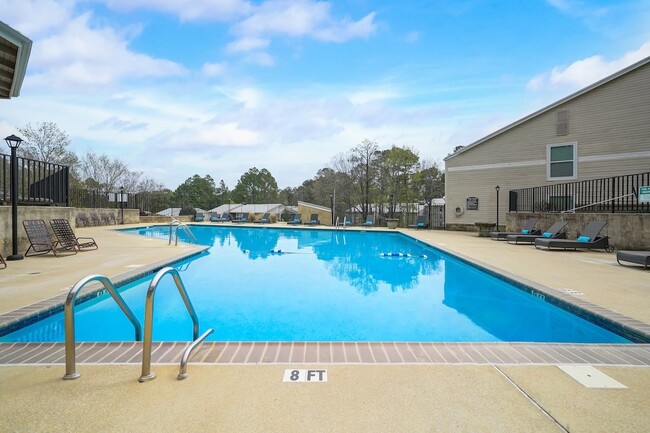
497 188
122 203
390 205
14 142
332 207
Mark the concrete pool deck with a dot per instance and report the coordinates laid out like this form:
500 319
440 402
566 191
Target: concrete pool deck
431 397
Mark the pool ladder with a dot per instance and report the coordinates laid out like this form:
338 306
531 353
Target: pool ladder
147 375
179 225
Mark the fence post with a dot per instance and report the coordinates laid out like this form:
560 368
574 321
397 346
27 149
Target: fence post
613 194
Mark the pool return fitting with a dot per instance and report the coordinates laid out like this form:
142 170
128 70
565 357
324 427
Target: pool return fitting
147 375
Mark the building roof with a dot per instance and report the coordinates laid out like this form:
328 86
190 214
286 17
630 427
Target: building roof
554 105
14 55
313 206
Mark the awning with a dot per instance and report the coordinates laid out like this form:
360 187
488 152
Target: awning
14 55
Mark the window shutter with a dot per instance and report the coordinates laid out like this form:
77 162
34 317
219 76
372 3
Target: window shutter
562 122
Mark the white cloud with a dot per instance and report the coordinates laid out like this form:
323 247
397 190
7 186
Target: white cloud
213 69
247 44
297 18
586 71
189 10
35 17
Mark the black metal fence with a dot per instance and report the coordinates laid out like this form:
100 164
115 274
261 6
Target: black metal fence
606 195
39 183
146 202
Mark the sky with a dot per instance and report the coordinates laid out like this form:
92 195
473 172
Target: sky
176 88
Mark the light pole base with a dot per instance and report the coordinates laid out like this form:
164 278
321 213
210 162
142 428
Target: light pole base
14 257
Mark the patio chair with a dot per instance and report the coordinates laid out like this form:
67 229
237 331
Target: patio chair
242 219
295 219
589 239
313 220
2 262
200 217
370 221
420 223
225 217
528 229
266 218
213 216
639 257
553 232
347 220
40 241
66 236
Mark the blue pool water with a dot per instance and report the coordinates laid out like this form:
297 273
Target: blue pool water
327 285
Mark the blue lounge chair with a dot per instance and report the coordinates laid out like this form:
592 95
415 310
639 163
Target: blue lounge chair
225 217
242 219
214 217
370 221
420 223
554 232
589 239
313 220
528 229
200 217
266 218
295 219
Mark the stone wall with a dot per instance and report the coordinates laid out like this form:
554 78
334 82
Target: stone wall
626 231
159 219
47 213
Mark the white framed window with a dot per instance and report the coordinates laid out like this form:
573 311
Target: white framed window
562 161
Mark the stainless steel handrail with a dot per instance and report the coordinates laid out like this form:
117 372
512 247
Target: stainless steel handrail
182 373
147 374
176 223
70 361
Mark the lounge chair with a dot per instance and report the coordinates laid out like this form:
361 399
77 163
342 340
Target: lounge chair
66 236
216 218
40 241
242 219
528 229
199 217
295 218
213 216
266 218
370 221
553 232
347 220
639 257
313 219
420 223
2 262
589 239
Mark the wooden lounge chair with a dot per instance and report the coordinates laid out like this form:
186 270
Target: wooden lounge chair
313 220
40 241
528 229
66 236
554 231
639 257
420 223
2 262
589 239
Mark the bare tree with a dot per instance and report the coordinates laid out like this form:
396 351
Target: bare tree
46 142
102 172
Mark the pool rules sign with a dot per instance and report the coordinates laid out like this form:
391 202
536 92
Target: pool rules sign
291 375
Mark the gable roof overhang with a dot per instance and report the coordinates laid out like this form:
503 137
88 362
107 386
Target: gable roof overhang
553 106
14 55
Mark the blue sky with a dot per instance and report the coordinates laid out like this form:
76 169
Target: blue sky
183 87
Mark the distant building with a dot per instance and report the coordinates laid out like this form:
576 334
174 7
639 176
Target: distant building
600 131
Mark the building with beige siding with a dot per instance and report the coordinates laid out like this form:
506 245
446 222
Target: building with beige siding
600 131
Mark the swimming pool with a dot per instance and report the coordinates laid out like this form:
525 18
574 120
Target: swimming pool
277 284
